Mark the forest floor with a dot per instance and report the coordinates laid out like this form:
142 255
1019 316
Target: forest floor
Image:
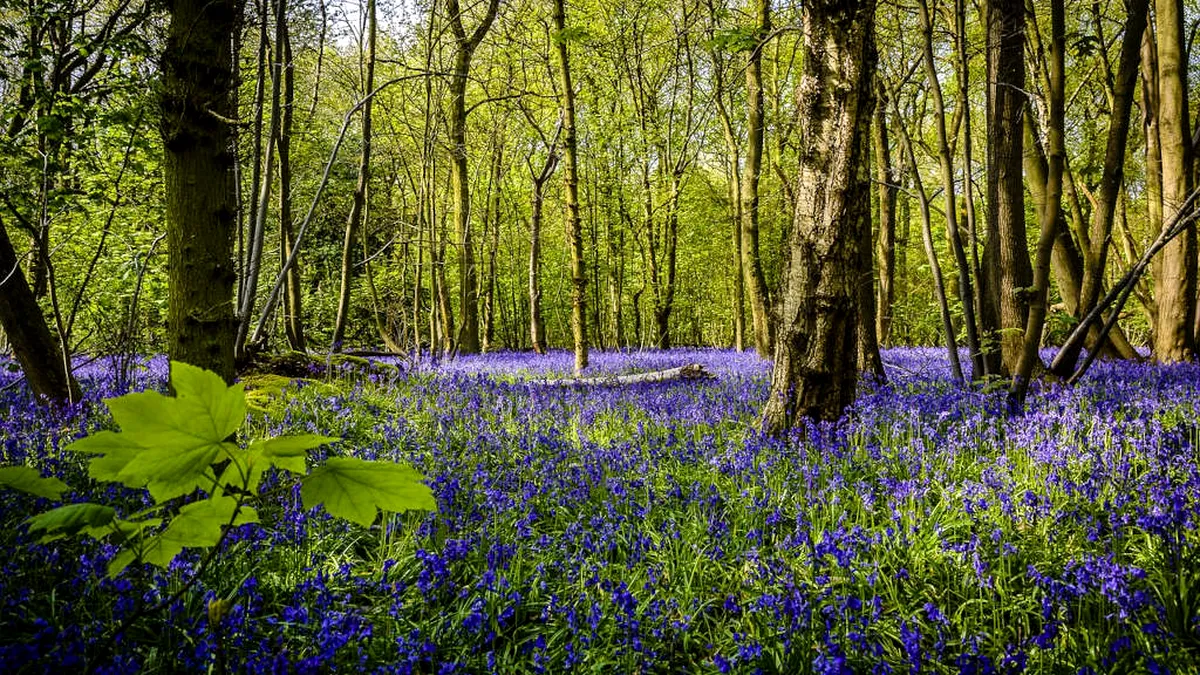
650 528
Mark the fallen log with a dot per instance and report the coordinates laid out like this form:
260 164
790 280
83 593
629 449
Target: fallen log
692 371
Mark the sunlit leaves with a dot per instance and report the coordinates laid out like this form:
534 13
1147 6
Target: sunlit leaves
353 489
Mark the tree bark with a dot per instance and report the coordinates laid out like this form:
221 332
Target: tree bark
46 369
1052 203
886 247
815 375
1007 269
571 183
756 283
197 74
946 164
293 314
464 51
1112 177
1175 284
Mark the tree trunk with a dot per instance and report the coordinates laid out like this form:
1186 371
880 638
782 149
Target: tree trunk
946 163
249 285
571 183
886 247
756 283
1175 284
46 369
1052 204
815 375
293 314
1007 269
468 284
935 266
359 204
1112 177
197 72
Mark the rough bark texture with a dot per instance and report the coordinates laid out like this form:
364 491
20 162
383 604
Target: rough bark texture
571 184
1007 270
756 281
1175 284
815 375
197 75
25 327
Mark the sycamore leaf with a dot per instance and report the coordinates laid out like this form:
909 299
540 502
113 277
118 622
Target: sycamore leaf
220 410
122 530
27 479
198 525
115 451
289 452
245 470
353 489
71 519
179 437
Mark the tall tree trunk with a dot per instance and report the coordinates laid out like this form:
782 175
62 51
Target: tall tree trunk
468 284
946 163
42 361
935 266
1112 177
197 72
1175 284
293 314
359 204
886 248
734 169
1007 269
1052 204
249 286
756 282
537 329
814 375
571 183
492 228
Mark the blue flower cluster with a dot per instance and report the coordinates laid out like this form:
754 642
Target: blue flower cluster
651 528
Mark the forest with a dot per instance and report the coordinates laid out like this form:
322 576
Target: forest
671 336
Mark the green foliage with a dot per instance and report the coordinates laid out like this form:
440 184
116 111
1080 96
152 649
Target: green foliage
183 447
352 488
29 480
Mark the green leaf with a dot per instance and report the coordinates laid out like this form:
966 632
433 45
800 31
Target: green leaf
116 451
179 437
289 452
353 489
198 525
120 562
27 479
71 519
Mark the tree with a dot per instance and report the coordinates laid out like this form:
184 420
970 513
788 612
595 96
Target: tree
464 51
815 374
756 284
197 76
359 205
571 183
46 370
1007 269
1175 283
